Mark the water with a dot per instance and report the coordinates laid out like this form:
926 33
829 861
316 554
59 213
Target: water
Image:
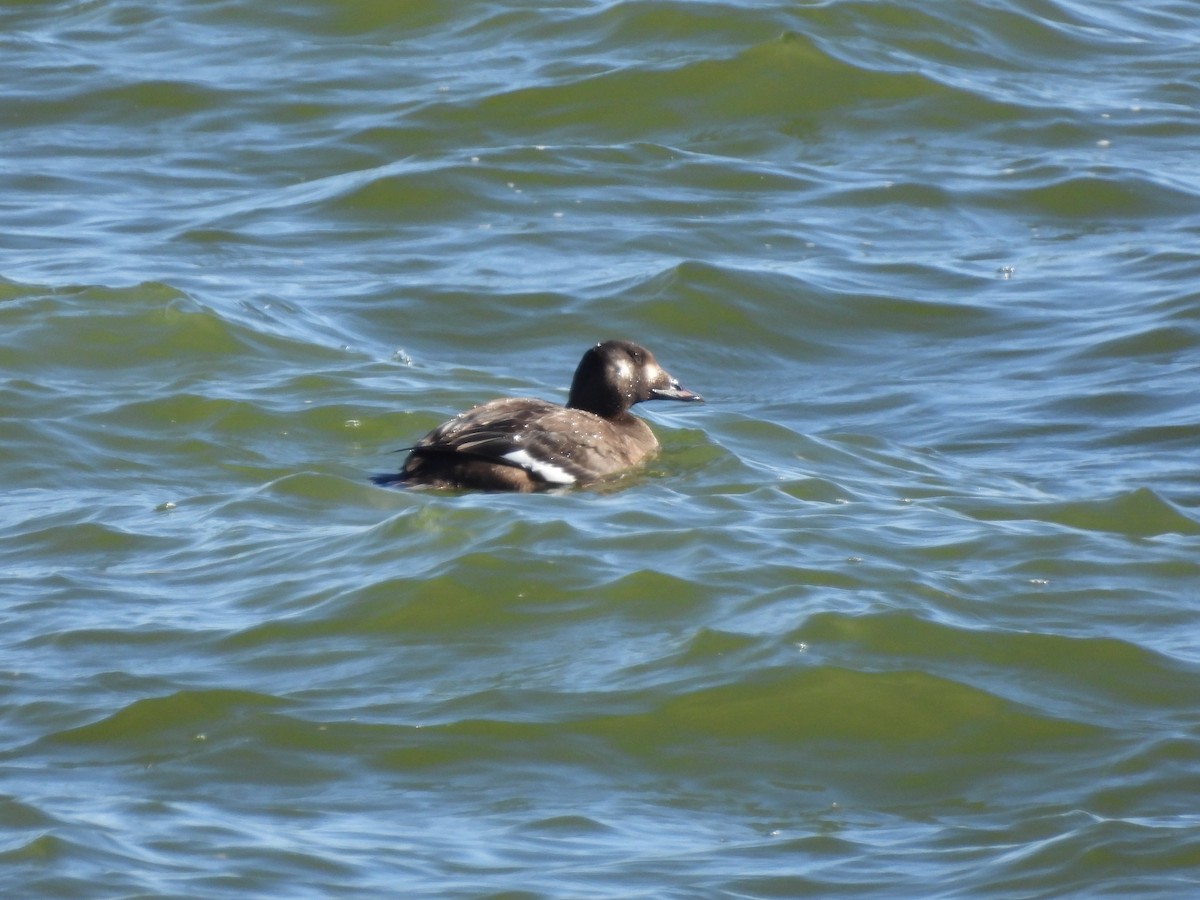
907 609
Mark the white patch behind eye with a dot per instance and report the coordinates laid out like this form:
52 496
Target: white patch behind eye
543 469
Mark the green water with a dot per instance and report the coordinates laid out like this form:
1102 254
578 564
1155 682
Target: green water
909 608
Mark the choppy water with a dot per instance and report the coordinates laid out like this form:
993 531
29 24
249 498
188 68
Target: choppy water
910 608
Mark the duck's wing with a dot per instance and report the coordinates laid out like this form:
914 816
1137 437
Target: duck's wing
541 438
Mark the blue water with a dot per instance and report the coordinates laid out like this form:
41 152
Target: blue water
909 608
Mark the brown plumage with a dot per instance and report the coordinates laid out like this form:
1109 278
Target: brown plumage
523 444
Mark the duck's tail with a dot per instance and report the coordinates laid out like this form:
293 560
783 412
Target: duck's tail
385 479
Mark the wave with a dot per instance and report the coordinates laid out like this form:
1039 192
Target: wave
1139 512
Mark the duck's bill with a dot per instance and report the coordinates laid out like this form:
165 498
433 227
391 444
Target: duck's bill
676 392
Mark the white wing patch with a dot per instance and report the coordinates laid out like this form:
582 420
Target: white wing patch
543 469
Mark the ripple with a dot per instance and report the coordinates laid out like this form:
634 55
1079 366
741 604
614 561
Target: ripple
905 609
1140 512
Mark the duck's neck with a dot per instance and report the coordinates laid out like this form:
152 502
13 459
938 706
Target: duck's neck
606 407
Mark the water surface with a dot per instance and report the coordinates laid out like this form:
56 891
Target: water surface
908 608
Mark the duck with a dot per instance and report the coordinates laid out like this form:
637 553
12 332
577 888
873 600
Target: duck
525 444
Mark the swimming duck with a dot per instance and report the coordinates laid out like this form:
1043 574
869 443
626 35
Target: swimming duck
525 444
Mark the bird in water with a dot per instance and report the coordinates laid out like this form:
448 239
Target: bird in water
525 444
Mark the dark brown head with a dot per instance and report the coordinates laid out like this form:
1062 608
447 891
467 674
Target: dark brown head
614 375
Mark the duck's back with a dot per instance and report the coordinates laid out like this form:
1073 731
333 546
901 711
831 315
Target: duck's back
526 445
